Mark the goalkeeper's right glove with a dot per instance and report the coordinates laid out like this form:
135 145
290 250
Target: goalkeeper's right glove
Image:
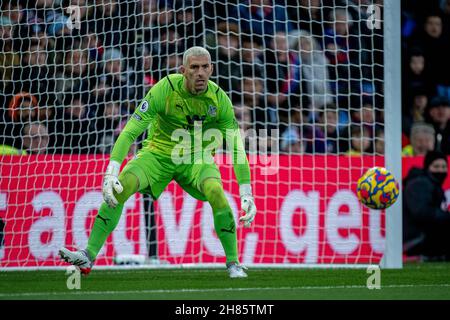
110 182
247 204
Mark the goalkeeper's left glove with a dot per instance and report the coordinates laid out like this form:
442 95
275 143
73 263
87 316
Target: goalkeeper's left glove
247 204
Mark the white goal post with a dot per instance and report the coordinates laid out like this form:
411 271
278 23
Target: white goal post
393 101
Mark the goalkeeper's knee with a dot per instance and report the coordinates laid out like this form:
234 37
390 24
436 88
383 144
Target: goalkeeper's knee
130 184
213 191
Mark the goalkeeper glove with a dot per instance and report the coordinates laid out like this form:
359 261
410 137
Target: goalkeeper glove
110 182
247 204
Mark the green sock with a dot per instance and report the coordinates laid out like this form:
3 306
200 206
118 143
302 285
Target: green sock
105 222
226 231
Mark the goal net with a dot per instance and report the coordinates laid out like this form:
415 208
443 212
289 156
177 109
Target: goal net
306 80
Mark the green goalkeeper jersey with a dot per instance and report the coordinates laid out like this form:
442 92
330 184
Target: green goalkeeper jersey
182 124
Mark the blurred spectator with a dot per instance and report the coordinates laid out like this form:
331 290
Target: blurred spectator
415 110
166 45
188 22
438 114
6 26
302 137
8 58
43 19
445 7
416 75
343 50
149 14
227 64
252 88
360 140
22 109
314 67
173 63
379 142
337 36
72 125
100 88
147 76
34 75
35 138
262 17
252 54
111 23
41 7
118 25
91 42
75 75
31 31
426 220
152 22
108 116
307 15
436 47
243 116
14 11
283 89
161 32
168 42
328 125
85 15
365 115
118 75
292 142
166 13
58 24
422 140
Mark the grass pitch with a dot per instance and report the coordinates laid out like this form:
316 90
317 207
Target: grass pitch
414 281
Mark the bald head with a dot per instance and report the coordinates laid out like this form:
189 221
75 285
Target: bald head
35 138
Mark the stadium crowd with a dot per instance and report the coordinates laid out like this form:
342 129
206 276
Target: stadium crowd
426 80
310 68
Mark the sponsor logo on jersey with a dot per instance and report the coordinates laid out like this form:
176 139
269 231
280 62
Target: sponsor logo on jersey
212 111
144 106
191 120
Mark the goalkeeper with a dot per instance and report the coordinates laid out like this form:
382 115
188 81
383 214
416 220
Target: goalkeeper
176 107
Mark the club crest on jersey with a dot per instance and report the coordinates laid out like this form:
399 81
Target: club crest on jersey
212 111
144 106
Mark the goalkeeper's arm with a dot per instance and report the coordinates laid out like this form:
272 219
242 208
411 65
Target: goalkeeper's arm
137 124
242 173
229 126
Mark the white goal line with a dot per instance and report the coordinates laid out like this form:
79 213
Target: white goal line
188 290
197 266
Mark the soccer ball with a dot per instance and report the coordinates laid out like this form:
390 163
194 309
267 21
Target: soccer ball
377 188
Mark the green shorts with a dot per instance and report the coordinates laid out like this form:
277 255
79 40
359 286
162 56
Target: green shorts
155 172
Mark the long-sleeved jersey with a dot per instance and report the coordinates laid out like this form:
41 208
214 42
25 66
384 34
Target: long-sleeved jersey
182 125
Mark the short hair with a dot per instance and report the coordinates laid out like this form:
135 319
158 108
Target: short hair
195 52
27 127
422 128
333 14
